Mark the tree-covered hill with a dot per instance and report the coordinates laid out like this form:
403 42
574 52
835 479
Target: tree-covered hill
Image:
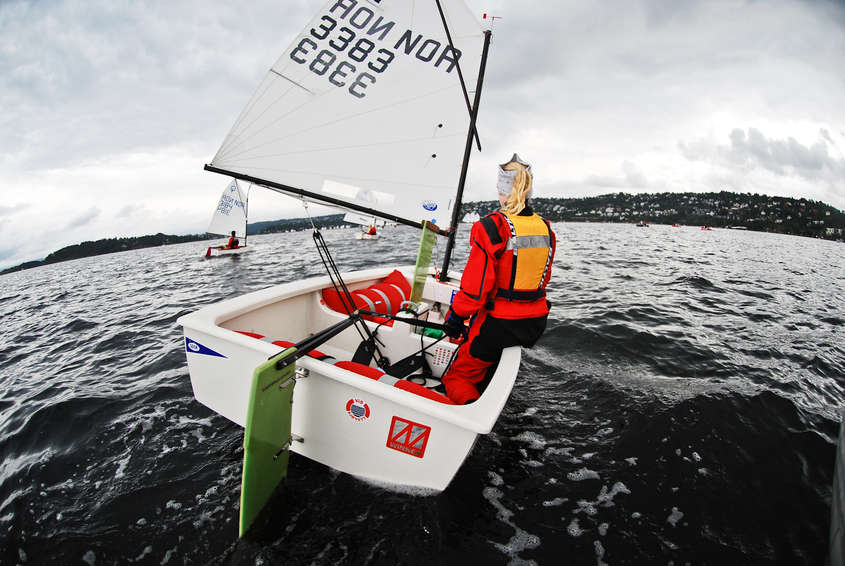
800 217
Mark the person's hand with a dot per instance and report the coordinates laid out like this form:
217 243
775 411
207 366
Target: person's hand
454 325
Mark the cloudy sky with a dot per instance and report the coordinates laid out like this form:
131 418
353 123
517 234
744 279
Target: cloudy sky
109 109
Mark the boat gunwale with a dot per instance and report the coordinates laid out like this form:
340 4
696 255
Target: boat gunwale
478 417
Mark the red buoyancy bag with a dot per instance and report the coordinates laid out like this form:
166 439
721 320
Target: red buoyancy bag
361 369
384 297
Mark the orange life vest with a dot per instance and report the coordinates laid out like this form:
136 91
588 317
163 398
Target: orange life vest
521 274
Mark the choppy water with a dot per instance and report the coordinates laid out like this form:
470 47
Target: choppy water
681 408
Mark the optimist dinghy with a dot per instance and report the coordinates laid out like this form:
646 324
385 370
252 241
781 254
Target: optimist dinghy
367 110
230 216
368 225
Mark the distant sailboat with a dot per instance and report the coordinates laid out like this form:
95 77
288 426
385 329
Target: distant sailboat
471 217
368 223
230 217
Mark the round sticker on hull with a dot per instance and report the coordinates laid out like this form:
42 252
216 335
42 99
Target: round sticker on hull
357 409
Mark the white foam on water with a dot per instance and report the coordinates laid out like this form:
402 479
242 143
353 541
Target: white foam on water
186 420
603 528
674 517
89 558
533 463
583 474
521 540
560 451
168 555
529 412
605 431
704 471
586 507
147 550
206 517
495 479
636 515
533 439
599 553
411 490
632 460
605 498
696 457
555 502
121 466
141 522
574 529
588 455
173 504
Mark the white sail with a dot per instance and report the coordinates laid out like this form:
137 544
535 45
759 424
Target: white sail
230 213
363 220
365 107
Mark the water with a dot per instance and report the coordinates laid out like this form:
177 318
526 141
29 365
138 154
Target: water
681 408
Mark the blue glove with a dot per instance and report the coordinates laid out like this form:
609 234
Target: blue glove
454 325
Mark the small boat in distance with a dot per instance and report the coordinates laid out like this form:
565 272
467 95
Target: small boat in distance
705 227
368 225
676 225
229 218
642 224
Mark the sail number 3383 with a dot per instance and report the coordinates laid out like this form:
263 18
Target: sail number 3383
342 42
351 46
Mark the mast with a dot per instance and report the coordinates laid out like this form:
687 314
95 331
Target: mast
444 271
246 211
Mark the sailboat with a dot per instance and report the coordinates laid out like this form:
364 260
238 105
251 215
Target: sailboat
372 108
471 218
369 225
230 217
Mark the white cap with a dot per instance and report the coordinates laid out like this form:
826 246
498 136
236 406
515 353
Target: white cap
506 178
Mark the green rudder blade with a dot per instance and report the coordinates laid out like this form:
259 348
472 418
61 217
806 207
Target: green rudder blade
266 437
423 262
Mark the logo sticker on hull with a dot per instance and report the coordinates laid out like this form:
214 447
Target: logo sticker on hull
358 410
192 346
408 437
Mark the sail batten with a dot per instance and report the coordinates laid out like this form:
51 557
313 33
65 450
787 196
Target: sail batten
368 96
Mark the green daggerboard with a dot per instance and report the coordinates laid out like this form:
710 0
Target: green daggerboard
266 437
423 261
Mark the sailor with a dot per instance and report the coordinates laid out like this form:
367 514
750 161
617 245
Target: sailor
503 288
371 230
233 242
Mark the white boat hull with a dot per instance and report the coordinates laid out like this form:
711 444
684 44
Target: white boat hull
216 251
392 436
365 236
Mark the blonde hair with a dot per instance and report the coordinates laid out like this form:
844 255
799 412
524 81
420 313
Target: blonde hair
521 188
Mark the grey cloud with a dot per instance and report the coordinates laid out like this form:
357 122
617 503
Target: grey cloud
100 79
633 178
787 156
10 210
129 210
84 218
